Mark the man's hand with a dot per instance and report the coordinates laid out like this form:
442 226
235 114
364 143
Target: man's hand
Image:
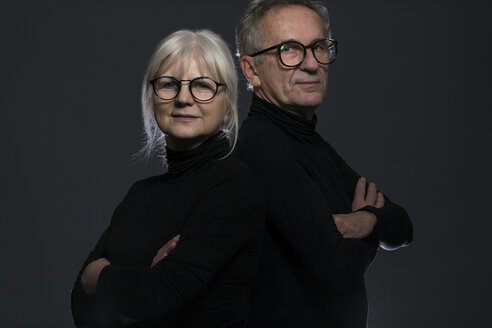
90 276
360 224
356 224
165 250
372 198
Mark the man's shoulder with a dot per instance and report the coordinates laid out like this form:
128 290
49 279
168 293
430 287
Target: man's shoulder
261 137
233 168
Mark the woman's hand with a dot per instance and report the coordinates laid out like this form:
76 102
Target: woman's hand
165 250
91 273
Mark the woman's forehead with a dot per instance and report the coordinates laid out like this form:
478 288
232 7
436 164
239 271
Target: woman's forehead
185 63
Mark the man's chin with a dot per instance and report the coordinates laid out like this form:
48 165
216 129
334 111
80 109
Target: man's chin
310 100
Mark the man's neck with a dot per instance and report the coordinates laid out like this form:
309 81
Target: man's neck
304 112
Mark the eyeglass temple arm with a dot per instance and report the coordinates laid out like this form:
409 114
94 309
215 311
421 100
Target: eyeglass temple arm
264 50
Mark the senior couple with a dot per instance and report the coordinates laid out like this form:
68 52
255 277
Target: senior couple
268 227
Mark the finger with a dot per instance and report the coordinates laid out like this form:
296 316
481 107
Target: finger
380 200
167 248
348 234
158 257
338 222
360 190
154 261
372 194
342 225
343 231
359 194
171 244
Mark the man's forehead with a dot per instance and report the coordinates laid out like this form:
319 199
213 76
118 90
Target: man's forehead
289 23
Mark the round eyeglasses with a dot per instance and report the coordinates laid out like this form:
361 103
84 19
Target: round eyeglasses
201 88
293 53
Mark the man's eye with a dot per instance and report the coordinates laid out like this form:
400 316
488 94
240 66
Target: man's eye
287 49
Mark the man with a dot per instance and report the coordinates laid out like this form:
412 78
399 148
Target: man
323 223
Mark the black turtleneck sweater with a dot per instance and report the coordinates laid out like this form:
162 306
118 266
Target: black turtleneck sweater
217 207
310 276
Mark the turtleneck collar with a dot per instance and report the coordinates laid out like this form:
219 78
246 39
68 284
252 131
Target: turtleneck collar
291 123
181 163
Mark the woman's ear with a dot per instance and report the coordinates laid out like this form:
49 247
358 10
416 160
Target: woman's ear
249 70
227 115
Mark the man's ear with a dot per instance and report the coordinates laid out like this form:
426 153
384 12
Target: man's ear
249 70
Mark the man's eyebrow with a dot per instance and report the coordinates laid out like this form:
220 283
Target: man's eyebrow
289 40
314 40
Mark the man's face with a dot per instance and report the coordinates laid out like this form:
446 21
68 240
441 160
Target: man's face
297 89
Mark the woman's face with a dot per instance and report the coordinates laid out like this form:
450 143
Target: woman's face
186 122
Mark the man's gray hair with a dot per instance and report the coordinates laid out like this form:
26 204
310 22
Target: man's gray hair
182 46
249 36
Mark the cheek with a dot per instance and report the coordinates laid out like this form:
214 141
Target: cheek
161 115
162 109
325 75
219 115
221 106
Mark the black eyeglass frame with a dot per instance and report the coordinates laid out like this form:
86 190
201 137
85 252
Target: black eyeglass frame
190 82
280 45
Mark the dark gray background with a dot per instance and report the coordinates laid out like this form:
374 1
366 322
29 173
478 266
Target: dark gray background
408 106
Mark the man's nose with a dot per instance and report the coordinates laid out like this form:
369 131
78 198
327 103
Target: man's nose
310 63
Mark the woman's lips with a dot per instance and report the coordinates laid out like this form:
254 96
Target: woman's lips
184 117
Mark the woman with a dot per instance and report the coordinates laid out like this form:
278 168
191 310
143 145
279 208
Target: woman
208 200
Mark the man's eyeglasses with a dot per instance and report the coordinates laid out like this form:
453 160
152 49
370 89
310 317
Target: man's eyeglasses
201 88
292 53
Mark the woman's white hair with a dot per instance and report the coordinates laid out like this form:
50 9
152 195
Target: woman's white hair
182 46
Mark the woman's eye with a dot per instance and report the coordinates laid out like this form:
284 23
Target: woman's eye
169 85
202 85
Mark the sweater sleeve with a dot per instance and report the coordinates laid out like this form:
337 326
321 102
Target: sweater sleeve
93 310
90 310
302 221
393 228
219 226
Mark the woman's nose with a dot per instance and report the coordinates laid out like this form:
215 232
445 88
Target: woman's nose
184 95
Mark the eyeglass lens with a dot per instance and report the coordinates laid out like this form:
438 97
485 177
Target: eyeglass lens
201 88
292 53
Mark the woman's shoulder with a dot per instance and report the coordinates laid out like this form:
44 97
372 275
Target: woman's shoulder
147 184
229 173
